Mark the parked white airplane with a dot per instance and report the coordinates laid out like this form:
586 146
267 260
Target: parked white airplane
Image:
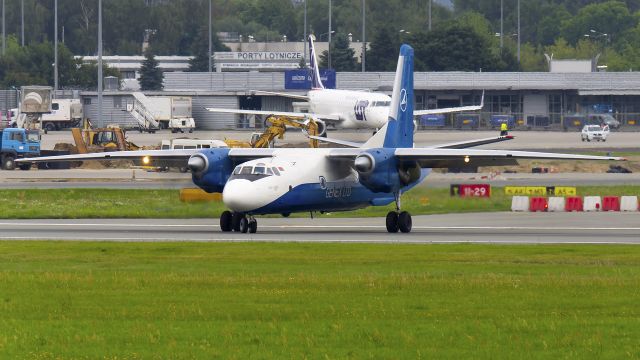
347 109
282 181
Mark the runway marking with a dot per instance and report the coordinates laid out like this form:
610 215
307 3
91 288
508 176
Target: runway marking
362 241
325 226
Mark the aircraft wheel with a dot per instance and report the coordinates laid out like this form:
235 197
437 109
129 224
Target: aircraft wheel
235 222
404 222
392 222
226 220
244 225
253 226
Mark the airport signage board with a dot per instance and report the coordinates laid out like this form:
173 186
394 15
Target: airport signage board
300 79
260 56
470 190
541 190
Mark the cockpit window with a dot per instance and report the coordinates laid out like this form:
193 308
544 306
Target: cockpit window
246 170
236 171
275 171
269 172
259 170
252 173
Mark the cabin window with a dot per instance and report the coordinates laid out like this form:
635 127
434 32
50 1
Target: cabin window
189 147
206 146
178 147
165 147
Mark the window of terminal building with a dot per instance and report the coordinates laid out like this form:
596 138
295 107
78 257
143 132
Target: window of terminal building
86 101
117 102
555 108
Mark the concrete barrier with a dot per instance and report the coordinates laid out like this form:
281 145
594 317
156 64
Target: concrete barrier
520 203
629 203
193 195
592 203
556 204
538 203
611 203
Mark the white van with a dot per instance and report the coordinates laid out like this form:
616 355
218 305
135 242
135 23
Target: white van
192 144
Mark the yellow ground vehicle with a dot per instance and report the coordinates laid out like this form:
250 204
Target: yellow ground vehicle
111 138
276 127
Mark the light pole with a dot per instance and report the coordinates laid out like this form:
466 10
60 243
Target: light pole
364 40
518 31
501 24
100 63
329 40
4 34
55 46
430 4
22 21
210 42
304 56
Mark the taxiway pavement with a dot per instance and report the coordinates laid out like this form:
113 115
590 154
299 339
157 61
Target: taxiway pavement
493 228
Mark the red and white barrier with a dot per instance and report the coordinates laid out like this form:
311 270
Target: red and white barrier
575 203
629 203
592 203
556 204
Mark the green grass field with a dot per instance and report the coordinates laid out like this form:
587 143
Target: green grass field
73 300
109 203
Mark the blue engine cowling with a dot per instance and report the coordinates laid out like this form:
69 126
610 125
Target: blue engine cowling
380 171
211 169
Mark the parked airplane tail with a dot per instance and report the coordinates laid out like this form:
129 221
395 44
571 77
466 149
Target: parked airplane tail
398 131
316 82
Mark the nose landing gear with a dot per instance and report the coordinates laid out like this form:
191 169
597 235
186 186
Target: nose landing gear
399 220
238 222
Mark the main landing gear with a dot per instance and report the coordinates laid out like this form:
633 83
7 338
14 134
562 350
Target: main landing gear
398 220
238 222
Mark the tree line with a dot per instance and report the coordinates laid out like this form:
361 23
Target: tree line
461 39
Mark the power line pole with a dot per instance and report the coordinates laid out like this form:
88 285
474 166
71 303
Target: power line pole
210 42
364 40
55 46
329 43
100 63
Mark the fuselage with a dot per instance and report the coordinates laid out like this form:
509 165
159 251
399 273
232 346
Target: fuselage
357 109
299 180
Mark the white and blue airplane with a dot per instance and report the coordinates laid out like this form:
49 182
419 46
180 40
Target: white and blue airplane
343 109
257 182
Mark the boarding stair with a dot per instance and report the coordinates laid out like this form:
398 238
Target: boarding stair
141 111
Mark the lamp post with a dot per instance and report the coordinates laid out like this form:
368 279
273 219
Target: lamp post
518 31
429 17
501 24
329 40
22 21
100 63
210 42
304 56
329 46
55 46
364 39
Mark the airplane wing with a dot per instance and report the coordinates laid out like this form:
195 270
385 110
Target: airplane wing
472 143
451 109
323 117
455 145
273 93
151 155
449 158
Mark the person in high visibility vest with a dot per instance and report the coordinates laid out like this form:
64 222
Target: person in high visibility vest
503 129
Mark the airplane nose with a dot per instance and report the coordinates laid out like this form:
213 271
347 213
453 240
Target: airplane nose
237 195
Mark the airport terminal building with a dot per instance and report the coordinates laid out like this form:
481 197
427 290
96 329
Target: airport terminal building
532 99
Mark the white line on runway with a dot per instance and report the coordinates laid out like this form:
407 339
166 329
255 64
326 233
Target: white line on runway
93 225
362 241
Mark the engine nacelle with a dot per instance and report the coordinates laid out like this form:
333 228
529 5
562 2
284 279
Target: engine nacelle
211 169
380 171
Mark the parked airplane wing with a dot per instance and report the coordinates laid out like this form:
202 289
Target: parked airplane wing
451 110
287 95
323 117
446 158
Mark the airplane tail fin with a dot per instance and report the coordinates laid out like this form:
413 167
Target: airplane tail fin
398 131
316 82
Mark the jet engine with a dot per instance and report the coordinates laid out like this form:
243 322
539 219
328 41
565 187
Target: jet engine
380 171
211 169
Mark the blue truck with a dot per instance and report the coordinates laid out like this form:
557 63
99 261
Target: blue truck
18 143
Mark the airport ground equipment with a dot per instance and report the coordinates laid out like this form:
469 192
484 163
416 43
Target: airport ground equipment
162 112
18 143
65 113
35 101
111 138
276 128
